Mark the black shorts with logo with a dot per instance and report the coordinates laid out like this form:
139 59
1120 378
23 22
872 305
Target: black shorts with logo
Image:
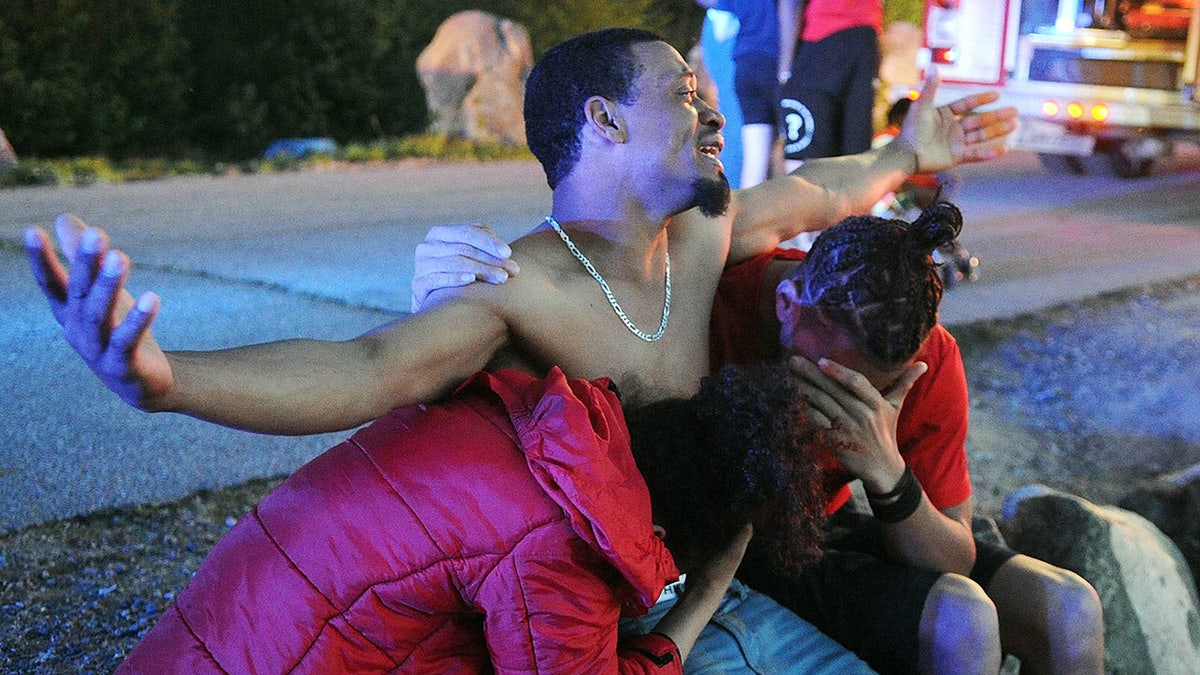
867 603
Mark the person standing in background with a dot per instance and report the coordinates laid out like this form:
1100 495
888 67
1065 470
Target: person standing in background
755 52
828 62
718 35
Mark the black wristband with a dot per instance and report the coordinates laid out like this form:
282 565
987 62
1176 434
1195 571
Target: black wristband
901 486
907 494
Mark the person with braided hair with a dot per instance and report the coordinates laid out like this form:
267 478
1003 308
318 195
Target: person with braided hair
908 587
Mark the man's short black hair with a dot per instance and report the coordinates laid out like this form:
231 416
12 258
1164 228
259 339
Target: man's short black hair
599 63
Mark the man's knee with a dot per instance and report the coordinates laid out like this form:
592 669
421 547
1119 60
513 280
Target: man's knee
1066 600
1073 605
959 628
1051 617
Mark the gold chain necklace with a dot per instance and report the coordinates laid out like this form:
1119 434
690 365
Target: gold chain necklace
587 264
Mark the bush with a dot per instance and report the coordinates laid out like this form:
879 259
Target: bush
28 173
224 78
90 76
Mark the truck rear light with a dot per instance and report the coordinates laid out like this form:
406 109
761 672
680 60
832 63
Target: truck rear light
1050 109
1075 111
944 55
1099 112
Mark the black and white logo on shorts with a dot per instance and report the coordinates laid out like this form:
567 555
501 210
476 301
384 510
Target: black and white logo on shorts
797 125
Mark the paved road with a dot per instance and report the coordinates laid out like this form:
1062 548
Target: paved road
328 254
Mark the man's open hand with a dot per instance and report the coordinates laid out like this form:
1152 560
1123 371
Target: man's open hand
100 319
945 136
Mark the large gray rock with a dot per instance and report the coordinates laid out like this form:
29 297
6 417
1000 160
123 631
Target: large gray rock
474 75
1151 621
8 156
1172 503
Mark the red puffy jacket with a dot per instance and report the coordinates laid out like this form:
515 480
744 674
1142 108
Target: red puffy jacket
506 528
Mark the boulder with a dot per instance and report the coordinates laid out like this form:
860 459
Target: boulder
1172 503
8 156
987 530
1151 620
473 73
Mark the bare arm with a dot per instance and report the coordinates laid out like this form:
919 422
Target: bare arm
310 386
288 387
703 591
866 418
813 197
823 191
937 540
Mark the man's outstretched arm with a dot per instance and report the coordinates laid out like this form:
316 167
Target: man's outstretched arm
287 387
823 191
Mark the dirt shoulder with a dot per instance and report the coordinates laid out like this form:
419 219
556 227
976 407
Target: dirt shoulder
1089 398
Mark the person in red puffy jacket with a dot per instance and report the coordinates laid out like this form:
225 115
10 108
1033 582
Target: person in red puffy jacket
508 529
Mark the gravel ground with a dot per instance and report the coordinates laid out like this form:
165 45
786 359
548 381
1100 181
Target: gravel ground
1089 398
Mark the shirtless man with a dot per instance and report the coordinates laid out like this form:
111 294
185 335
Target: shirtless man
635 161
632 156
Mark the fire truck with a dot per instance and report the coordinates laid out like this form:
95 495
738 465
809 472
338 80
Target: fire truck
1102 86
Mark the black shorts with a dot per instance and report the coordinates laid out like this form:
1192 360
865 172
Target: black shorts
826 108
867 603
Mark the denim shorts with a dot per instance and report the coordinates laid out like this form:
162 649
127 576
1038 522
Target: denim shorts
751 633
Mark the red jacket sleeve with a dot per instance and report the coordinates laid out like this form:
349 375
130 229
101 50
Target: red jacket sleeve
549 608
651 653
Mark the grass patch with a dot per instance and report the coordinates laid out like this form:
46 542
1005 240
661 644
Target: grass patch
83 171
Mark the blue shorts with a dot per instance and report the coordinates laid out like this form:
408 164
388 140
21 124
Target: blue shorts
751 633
757 87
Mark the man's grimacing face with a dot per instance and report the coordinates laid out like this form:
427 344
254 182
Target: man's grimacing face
678 135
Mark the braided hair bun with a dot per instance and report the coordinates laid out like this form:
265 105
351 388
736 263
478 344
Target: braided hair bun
938 225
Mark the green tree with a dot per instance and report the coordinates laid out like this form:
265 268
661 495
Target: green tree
272 68
97 76
90 76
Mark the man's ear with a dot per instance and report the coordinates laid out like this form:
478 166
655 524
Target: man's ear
787 299
604 117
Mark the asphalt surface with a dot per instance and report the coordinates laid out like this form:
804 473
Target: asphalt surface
328 254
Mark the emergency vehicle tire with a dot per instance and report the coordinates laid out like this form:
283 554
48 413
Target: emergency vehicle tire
1127 166
1062 163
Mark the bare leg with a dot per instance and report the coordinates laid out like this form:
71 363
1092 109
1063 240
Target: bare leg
959 629
756 153
1050 618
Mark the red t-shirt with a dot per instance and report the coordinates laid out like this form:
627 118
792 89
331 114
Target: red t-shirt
823 18
932 429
